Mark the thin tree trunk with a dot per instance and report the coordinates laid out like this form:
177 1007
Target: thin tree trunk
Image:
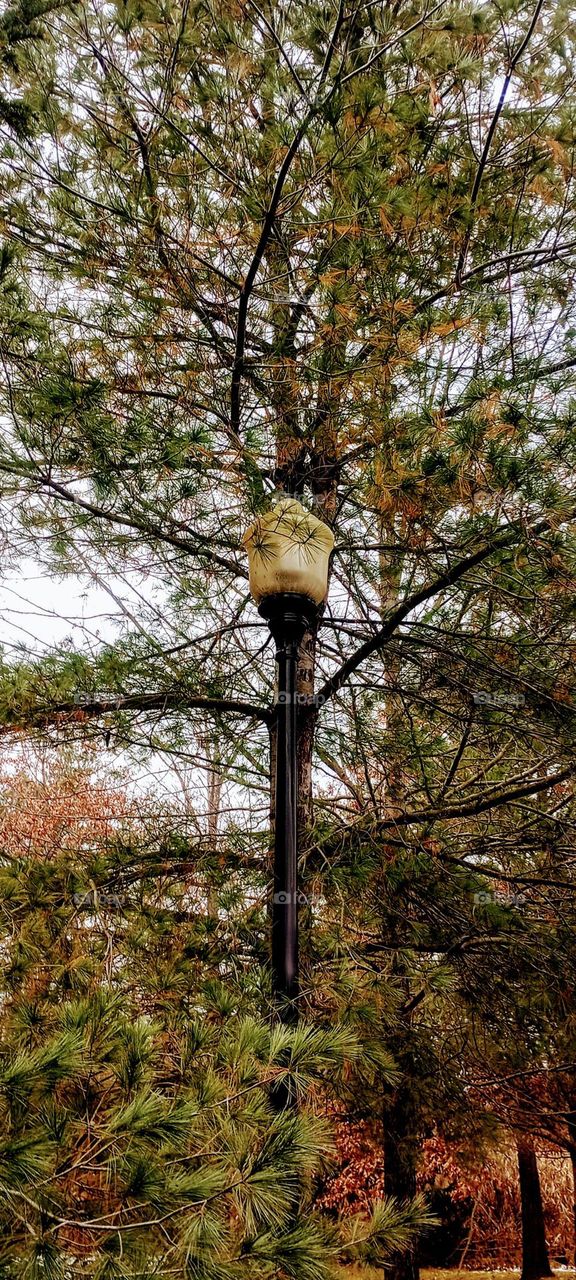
215 781
535 1262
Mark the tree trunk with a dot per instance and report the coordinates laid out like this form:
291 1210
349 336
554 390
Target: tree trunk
571 1125
215 783
307 717
535 1261
401 1114
573 1163
401 1145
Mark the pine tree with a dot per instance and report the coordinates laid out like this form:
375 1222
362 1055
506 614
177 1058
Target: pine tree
137 1128
326 249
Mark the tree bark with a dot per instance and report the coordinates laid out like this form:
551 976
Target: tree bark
573 1163
400 1180
307 717
401 1151
535 1262
571 1125
215 780
401 1114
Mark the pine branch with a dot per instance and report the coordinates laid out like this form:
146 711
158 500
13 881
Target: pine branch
499 541
489 138
166 703
201 547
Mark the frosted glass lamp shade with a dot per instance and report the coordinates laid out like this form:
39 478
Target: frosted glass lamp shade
288 551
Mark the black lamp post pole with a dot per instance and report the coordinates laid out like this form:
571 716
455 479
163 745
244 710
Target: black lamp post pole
289 616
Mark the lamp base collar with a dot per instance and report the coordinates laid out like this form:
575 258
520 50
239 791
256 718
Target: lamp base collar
289 615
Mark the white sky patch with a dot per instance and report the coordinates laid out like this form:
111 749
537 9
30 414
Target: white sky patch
39 611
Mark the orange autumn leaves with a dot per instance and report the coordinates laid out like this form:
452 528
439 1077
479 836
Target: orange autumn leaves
57 810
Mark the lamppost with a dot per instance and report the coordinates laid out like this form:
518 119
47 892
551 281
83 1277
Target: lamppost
288 553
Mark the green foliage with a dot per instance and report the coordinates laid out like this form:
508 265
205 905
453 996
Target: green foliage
257 247
135 1103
